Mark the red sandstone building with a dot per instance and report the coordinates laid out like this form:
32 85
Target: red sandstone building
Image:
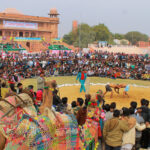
32 32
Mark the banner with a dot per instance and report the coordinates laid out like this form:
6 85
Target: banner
26 39
26 25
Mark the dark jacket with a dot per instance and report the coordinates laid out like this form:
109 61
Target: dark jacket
145 113
145 140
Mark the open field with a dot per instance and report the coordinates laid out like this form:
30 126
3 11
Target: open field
141 90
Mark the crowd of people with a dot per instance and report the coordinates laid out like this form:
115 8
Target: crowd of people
125 129
101 64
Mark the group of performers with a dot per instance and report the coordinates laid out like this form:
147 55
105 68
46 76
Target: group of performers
117 88
82 77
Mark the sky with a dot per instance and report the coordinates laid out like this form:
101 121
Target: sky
120 16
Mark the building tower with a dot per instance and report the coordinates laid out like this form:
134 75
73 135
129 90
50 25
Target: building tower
74 25
53 13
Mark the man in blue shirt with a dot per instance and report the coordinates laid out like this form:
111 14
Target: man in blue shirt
82 75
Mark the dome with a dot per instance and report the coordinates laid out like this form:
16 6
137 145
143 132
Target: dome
12 11
53 11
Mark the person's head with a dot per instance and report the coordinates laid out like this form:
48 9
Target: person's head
80 101
116 113
64 100
143 102
73 104
19 85
30 87
88 96
112 106
107 107
99 98
126 112
54 84
131 110
3 85
42 74
133 104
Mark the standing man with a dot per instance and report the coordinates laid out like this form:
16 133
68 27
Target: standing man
82 75
40 81
40 87
113 131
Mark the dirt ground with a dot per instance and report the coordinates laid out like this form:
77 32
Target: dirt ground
72 92
135 93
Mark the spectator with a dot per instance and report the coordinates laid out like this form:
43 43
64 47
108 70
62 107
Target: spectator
139 120
12 88
79 105
65 101
99 64
108 114
40 81
129 137
144 110
73 104
133 105
19 88
145 139
113 131
87 99
112 107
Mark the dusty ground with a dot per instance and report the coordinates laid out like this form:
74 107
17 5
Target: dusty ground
135 93
72 92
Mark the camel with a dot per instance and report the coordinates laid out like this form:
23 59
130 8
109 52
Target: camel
54 123
24 102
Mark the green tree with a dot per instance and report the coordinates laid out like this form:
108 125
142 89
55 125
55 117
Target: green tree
82 37
102 32
135 36
85 36
119 36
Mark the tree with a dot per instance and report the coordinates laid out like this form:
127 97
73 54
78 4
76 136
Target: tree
135 37
102 32
119 36
70 38
82 37
85 36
